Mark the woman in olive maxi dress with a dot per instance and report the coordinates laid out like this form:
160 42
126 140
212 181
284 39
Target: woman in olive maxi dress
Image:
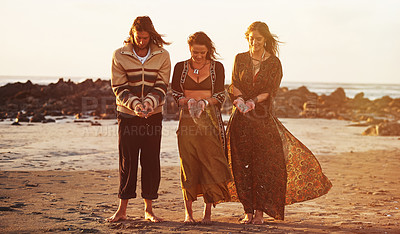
199 82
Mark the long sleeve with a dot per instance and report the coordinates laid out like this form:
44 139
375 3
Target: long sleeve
120 86
157 94
274 78
177 91
235 79
219 89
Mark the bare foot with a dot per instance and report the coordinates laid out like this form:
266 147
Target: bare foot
149 216
116 217
258 221
189 220
207 214
248 218
206 221
258 218
120 214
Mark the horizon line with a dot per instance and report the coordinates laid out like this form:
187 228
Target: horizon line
74 78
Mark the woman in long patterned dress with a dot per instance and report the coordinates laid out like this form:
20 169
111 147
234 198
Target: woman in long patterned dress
271 168
198 88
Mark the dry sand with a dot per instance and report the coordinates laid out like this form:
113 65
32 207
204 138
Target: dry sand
62 177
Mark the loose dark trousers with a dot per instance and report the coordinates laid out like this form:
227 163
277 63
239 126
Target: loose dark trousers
144 135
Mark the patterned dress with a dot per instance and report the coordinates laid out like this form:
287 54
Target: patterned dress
271 168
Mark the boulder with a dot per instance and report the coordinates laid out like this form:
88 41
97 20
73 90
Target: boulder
21 117
395 103
37 118
383 129
48 121
359 96
336 98
383 101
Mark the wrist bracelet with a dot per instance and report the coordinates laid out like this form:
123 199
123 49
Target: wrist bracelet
205 101
239 97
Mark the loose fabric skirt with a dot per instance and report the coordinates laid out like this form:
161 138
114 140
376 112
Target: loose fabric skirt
204 166
271 167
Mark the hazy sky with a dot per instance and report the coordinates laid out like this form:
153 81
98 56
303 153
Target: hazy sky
349 41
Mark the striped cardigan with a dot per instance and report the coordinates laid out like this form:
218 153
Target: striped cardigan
133 82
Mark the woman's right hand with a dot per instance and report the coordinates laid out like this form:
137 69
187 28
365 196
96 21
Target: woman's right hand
250 105
191 103
240 104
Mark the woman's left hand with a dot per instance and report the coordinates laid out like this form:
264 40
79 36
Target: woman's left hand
251 105
147 109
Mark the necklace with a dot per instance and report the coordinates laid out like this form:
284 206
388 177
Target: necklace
197 70
258 60
256 67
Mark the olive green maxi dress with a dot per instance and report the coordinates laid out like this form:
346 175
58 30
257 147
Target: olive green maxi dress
202 141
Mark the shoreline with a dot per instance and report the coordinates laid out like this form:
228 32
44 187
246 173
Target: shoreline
348 87
80 146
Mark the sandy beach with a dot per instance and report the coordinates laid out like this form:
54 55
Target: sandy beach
62 176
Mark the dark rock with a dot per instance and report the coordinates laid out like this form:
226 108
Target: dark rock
37 118
374 121
335 99
371 131
95 123
359 96
54 113
11 90
383 129
83 121
21 117
48 121
339 95
309 110
395 103
383 101
96 98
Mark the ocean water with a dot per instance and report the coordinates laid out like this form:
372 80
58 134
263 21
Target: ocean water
371 91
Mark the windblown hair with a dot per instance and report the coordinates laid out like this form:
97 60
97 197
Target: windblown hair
144 23
271 40
200 38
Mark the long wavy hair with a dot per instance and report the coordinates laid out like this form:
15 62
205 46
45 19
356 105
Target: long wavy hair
200 38
144 23
271 40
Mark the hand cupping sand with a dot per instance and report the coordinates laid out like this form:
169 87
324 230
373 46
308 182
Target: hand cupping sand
195 110
243 107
